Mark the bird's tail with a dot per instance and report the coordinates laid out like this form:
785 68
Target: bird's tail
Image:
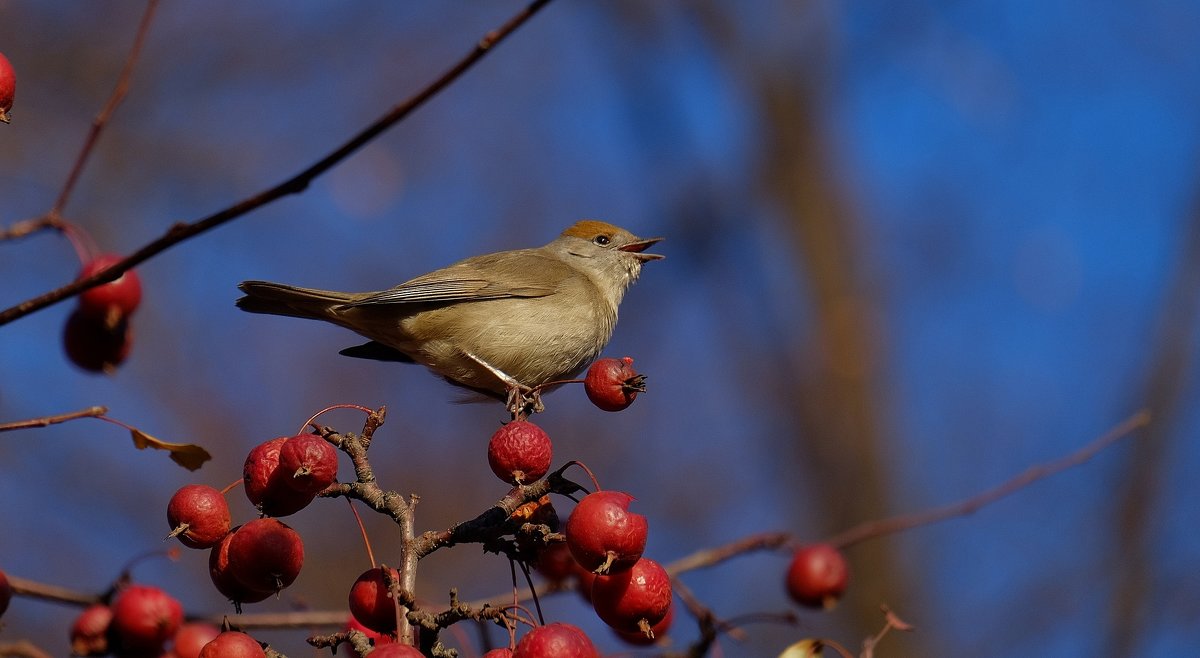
280 299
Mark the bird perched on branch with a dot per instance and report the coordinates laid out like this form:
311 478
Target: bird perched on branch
501 324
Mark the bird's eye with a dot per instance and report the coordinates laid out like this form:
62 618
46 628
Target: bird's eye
602 240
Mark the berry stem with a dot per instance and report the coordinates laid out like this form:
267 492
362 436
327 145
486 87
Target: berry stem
331 407
363 530
576 462
231 486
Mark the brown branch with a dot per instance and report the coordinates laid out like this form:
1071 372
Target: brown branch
90 412
52 593
101 120
23 649
879 528
294 185
709 557
27 227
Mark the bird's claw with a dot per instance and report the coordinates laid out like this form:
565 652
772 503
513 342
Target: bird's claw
523 401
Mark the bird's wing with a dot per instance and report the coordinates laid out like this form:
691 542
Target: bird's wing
476 279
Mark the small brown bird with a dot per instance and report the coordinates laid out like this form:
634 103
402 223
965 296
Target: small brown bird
500 324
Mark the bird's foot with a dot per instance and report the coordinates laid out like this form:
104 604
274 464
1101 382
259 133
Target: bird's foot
523 401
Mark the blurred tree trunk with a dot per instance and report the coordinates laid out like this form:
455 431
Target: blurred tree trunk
835 400
1138 505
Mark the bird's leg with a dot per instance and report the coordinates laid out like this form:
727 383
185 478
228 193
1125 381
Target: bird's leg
521 400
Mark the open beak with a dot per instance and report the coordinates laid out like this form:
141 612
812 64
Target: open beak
639 247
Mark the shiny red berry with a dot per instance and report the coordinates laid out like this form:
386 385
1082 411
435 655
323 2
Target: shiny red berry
557 640
233 644
520 452
191 638
115 300
641 639
371 600
603 535
6 592
635 599
223 578
396 650
198 516
613 384
143 619
817 576
265 554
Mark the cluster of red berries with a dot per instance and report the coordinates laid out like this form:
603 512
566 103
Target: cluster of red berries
255 560
97 336
144 621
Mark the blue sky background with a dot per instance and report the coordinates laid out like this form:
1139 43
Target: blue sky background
1019 177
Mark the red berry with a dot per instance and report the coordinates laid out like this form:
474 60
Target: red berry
612 384
265 554
198 515
307 463
8 87
89 632
221 573
233 644
504 652
143 619
635 599
112 301
817 576
5 592
520 452
371 601
95 346
266 485
557 640
191 638
396 651
657 631
604 536
379 639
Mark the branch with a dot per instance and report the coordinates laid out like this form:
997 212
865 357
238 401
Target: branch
294 185
106 113
90 412
879 528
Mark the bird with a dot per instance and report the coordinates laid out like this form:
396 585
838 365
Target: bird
505 325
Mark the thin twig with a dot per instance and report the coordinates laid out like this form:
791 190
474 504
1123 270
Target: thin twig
52 593
90 412
298 183
879 528
101 120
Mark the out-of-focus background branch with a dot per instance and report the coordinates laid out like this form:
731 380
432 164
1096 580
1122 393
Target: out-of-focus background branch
912 249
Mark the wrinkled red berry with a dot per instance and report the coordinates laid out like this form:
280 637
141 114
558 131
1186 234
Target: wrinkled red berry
265 554
95 346
307 463
817 576
89 631
233 644
504 652
191 638
198 515
113 301
557 640
635 599
143 619
613 384
8 87
266 485
604 536
520 452
371 600
223 578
